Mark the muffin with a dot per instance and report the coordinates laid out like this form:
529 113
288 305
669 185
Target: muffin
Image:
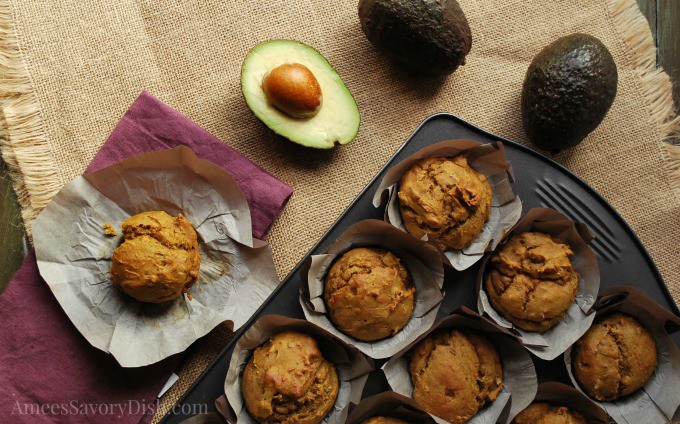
445 199
158 259
369 294
614 358
545 413
531 281
454 373
384 420
288 381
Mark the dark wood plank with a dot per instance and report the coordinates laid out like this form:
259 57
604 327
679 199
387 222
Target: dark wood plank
11 229
668 39
648 8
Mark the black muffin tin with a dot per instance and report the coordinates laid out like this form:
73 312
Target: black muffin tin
538 181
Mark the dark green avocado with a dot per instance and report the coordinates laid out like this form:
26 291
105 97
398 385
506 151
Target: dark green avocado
429 37
568 89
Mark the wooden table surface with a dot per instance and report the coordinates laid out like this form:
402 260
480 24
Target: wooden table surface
664 21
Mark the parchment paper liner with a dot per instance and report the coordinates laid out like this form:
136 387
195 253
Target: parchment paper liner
560 394
552 343
420 258
659 399
489 159
519 375
388 404
352 366
74 255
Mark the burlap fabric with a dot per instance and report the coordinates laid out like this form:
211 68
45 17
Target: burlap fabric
70 68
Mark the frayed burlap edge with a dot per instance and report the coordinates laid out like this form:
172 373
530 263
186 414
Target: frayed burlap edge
655 84
23 141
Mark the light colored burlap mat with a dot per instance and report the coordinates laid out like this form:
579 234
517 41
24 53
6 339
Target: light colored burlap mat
71 68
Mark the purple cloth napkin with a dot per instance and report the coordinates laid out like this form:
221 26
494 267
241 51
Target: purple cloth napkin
48 372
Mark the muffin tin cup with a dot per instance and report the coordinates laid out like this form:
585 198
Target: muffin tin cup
388 404
519 374
658 400
236 274
488 159
422 260
578 318
352 366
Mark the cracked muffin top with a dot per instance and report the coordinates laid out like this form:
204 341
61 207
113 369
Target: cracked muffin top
614 358
158 259
384 420
369 293
288 381
445 199
455 373
531 281
545 413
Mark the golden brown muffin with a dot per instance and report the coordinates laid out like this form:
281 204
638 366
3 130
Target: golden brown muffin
445 199
384 420
159 258
454 373
288 381
614 358
369 294
545 413
531 281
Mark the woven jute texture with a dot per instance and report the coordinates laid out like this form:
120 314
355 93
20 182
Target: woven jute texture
69 69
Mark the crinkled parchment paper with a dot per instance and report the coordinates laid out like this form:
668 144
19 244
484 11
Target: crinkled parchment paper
552 343
421 259
658 400
388 404
74 255
488 159
352 366
519 375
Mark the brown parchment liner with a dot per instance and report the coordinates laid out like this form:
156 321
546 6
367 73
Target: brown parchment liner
352 366
388 404
488 159
74 255
519 374
658 400
560 394
422 260
578 318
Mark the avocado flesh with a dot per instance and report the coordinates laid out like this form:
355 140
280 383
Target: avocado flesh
430 37
338 119
568 89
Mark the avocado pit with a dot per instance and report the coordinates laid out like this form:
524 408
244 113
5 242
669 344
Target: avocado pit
293 89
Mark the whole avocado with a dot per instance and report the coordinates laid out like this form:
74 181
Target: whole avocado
568 89
430 37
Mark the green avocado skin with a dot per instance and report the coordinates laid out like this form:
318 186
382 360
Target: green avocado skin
568 89
429 37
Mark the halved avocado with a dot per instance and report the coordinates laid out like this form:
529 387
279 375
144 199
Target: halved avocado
335 121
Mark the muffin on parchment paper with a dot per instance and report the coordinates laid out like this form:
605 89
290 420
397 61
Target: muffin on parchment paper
159 258
457 193
290 371
377 288
531 280
558 403
541 282
384 420
287 380
455 372
627 363
388 408
445 199
369 293
465 368
546 413
615 357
